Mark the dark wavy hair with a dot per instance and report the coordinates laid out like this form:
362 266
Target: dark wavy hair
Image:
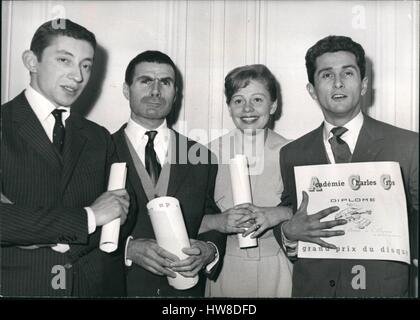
59 27
240 77
149 56
334 44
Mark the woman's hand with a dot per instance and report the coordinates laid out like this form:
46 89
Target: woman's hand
233 220
266 218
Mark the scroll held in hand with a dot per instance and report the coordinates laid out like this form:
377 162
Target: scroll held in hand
171 234
241 191
111 230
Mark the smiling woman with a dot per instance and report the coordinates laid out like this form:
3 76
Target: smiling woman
251 95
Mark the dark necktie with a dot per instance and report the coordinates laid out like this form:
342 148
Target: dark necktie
151 161
340 148
58 131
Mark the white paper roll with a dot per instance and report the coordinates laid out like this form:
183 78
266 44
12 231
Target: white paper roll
111 230
241 191
171 234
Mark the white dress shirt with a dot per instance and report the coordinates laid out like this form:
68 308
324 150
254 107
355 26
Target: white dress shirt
42 108
350 137
136 133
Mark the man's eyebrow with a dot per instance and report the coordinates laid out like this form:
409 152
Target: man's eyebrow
68 53
343 67
143 76
323 69
166 79
349 66
65 52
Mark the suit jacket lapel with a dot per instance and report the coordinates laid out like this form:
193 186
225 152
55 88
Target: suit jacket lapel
32 131
316 149
369 143
179 169
124 155
74 142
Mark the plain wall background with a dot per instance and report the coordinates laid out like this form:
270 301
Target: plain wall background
206 39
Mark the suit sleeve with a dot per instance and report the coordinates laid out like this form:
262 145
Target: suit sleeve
409 165
413 217
93 240
22 225
288 197
25 225
216 237
125 229
413 199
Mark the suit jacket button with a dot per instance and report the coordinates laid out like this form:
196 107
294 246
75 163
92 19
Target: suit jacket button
332 283
68 265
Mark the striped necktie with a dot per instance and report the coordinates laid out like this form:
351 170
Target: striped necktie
340 148
151 161
58 131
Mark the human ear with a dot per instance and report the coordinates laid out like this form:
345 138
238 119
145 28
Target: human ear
365 82
30 60
311 90
126 91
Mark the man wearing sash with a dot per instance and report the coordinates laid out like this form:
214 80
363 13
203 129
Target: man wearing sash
162 162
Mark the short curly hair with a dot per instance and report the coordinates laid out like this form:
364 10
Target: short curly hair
334 44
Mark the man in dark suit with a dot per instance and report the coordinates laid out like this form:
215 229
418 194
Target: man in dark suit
54 166
336 72
162 162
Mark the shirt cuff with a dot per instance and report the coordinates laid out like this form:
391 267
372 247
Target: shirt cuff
91 220
128 262
61 247
210 266
289 246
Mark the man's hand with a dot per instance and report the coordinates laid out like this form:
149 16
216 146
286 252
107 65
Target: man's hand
111 205
309 228
266 218
200 255
147 254
233 220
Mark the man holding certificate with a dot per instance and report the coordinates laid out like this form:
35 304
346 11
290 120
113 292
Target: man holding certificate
337 80
163 163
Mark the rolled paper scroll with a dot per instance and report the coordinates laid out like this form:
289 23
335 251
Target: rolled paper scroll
111 230
241 191
171 234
